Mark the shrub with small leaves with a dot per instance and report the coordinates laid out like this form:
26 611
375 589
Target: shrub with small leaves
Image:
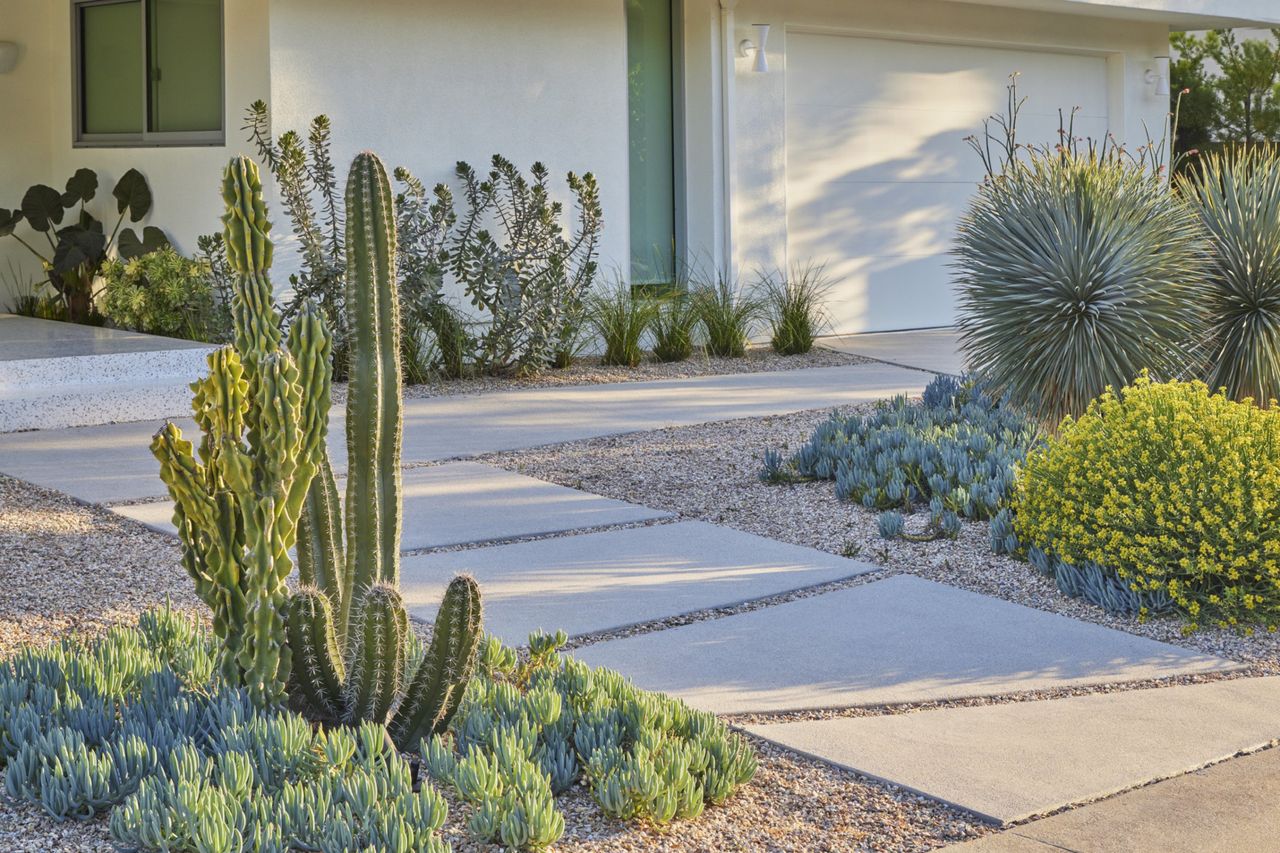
1173 490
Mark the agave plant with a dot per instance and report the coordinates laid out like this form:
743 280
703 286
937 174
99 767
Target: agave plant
1236 194
1076 271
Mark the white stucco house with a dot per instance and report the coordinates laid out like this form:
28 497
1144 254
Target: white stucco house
842 144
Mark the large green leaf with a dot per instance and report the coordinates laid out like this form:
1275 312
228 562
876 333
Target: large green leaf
76 246
81 187
129 246
132 194
9 220
42 206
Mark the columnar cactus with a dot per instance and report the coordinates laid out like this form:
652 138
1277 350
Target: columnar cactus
347 626
262 411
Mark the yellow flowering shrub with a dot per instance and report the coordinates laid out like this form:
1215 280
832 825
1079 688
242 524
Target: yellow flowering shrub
1173 489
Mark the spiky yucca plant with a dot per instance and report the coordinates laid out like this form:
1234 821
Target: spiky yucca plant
1236 194
1075 272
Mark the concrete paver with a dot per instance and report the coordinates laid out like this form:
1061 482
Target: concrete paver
462 503
1227 808
898 640
1012 761
598 581
937 350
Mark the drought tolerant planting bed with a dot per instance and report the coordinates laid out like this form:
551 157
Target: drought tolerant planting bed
310 714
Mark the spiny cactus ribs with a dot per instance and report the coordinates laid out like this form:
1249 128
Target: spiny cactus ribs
262 411
347 627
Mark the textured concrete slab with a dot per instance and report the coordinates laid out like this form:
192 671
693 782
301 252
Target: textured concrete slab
447 427
1013 761
902 639
1227 808
112 463
598 581
461 503
23 338
936 350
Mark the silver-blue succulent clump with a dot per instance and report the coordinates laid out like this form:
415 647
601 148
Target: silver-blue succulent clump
959 449
643 756
1098 585
139 722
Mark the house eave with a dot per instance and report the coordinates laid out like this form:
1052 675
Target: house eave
1176 14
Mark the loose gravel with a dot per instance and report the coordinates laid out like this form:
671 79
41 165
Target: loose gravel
709 472
66 567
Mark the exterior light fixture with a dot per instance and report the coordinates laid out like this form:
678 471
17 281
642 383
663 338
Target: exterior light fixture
1158 76
747 48
8 56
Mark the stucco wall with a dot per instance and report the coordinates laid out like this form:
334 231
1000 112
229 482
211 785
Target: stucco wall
184 181
759 224
426 84
25 155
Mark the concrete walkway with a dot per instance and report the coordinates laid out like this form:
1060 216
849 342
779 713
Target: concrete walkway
112 463
889 641
1227 808
937 350
55 375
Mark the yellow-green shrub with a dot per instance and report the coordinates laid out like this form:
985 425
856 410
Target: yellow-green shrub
1170 487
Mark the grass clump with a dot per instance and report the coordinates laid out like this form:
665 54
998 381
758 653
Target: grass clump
674 327
621 319
728 316
796 307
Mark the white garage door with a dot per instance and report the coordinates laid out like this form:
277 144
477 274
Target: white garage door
877 168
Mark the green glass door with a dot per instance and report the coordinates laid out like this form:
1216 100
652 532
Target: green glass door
650 82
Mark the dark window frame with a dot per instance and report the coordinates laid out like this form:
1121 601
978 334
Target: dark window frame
147 138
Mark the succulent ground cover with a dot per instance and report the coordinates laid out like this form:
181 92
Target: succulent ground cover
85 569
139 723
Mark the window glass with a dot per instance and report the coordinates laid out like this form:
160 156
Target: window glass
185 47
649 79
111 67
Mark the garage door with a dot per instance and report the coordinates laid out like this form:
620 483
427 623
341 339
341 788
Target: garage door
877 168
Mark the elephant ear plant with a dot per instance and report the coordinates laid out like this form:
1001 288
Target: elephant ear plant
348 630
77 250
263 411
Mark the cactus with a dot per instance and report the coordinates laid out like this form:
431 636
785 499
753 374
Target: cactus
262 411
347 626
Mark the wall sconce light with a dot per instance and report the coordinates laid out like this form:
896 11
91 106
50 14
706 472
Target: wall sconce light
8 56
1158 76
747 47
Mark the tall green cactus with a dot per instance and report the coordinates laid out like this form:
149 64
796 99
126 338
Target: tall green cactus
347 627
262 411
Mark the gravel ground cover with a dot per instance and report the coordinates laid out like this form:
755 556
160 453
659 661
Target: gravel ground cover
588 370
66 567
708 472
